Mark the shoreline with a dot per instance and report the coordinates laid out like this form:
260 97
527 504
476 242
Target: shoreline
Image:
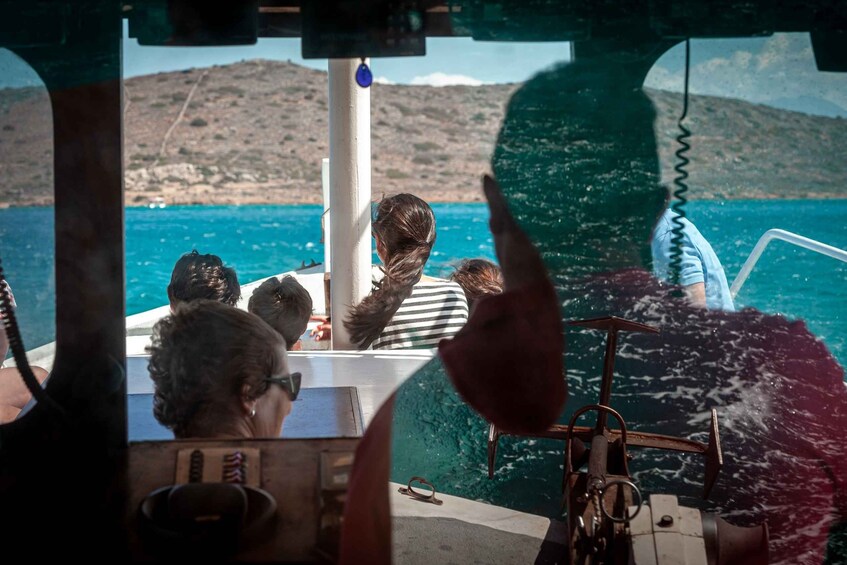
476 200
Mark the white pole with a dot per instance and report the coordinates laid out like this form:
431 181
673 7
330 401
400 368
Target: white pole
349 193
327 238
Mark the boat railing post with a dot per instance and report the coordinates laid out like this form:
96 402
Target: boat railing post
349 194
325 219
788 237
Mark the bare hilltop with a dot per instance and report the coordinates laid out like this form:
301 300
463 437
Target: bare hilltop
256 131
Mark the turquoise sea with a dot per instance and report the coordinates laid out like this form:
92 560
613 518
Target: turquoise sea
262 240
259 240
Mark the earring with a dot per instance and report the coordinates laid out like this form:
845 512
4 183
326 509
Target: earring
253 412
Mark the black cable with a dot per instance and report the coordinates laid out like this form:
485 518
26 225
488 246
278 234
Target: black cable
679 199
13 335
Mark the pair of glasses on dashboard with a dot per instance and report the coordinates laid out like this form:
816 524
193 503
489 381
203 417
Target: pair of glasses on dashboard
290 382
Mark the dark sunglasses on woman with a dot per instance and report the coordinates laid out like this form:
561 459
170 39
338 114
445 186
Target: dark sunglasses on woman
290 383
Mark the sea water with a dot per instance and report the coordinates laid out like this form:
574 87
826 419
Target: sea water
262 240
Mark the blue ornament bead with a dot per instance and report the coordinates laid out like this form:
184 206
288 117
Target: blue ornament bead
364 77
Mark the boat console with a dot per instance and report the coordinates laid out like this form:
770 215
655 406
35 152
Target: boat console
252 501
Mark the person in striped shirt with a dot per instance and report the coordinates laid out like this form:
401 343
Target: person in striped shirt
406 309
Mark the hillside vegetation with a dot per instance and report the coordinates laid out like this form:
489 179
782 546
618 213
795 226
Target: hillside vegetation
256 131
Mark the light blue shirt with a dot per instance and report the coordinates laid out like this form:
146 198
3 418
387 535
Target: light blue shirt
699 264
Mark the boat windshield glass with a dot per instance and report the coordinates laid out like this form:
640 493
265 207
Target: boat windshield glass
766 130
26 211
644 204
618 260
226 153
226 150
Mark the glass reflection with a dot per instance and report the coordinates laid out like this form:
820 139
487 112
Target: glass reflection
578 162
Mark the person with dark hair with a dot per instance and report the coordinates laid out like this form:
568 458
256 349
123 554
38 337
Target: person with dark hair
407 309
285 306
478 278
505 367
203 276
220 372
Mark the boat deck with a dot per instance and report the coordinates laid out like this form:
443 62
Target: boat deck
466 531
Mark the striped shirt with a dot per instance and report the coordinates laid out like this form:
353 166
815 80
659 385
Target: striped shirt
434 311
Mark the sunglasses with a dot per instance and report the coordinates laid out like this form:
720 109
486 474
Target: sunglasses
290 383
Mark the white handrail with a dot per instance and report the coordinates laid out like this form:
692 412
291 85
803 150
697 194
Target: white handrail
789 237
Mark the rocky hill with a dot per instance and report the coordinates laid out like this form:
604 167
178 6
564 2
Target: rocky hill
255 132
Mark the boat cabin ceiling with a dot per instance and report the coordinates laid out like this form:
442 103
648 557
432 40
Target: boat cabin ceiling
375 28
63 473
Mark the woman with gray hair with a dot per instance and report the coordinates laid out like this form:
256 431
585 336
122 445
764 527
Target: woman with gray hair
220 372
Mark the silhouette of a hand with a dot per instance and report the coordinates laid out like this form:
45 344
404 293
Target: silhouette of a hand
519 260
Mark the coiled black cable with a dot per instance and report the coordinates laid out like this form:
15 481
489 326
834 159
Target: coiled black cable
679 199
16 344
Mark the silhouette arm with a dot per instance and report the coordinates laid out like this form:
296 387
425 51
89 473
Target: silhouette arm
507 362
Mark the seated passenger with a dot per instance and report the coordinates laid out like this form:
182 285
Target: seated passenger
202 276
285 306
220 372
14 394
407 309
478 278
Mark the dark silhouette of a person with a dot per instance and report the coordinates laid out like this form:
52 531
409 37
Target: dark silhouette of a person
577 165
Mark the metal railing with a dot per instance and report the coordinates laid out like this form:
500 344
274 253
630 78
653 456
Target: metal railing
789 237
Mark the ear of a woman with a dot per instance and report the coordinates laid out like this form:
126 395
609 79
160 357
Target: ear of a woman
248 402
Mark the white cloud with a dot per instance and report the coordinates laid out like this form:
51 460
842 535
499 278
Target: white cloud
782 70
383 80
661 78
442 79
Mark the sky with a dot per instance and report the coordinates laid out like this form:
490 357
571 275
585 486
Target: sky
448 60
778 70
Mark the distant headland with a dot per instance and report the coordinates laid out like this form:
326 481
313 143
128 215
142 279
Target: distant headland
255 132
